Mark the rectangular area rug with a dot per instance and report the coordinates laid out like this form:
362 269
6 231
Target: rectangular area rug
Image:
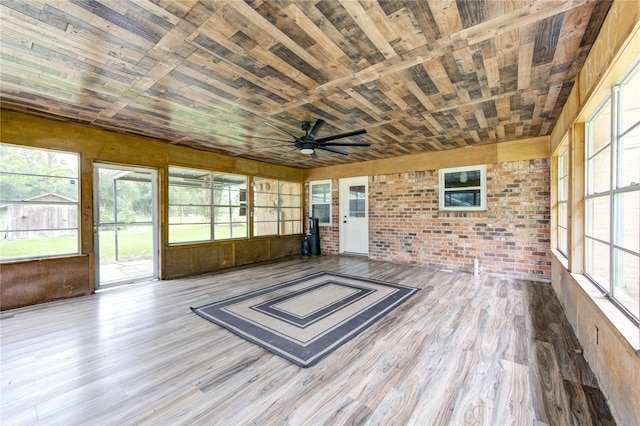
305 319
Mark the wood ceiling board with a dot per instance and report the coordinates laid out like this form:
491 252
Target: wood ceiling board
419 76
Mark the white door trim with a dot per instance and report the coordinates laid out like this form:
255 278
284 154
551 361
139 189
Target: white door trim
354 232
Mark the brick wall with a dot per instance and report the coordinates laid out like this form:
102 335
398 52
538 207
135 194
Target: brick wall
510 238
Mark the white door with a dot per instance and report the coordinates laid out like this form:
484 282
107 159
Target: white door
354 216
125 224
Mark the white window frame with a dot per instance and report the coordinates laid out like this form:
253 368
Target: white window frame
35 202
562 242
328 202
275 205
209 181
608 283
482 187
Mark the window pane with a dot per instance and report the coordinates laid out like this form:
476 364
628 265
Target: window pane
223 196
320 193
462 179
189 205
265 228
189 214
230 211
462 189
37 243
466 198
597 210
189 195
34 188
562 189
357 208
265 185
17 159
321 211
562 240
630 100
562 214
600 172
627 281
599 130
289 201
629 169
183 233
628 220
290 227
357 202
275 202
222 231
38 202
290 214
265 214
222 214
239 230
597 264
132 241
289 188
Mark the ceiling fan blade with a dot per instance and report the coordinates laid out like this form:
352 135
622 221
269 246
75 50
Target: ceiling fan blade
345 144
269 139
280 130
314 155
316 127
337 151
341 135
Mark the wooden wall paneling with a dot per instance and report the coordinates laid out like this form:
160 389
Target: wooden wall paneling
193 259
612 53
285 246
526 149
251 251
28 282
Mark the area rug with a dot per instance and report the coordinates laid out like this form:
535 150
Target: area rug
305 319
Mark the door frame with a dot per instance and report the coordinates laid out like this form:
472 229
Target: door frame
155 234
343 200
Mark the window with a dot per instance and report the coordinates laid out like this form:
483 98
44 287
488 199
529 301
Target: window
357 201
276 207
612 202
563 196
320 201
38 202
463 188
229 206
206 206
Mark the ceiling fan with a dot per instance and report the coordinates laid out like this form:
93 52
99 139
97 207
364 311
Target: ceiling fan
308 143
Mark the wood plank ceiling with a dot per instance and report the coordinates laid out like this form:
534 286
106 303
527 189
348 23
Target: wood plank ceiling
419 76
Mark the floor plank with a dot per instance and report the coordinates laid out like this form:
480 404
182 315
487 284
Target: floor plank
463 350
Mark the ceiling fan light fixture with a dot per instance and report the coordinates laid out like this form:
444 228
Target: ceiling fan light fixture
306 148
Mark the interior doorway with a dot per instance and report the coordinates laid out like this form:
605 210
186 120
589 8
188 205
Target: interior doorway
125 224
354 216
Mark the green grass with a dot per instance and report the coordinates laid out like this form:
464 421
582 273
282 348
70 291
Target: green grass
37 247
134 242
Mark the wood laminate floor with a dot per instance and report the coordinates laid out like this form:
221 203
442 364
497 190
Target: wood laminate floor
465 350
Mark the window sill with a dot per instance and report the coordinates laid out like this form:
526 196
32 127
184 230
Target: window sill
626 329
41 258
